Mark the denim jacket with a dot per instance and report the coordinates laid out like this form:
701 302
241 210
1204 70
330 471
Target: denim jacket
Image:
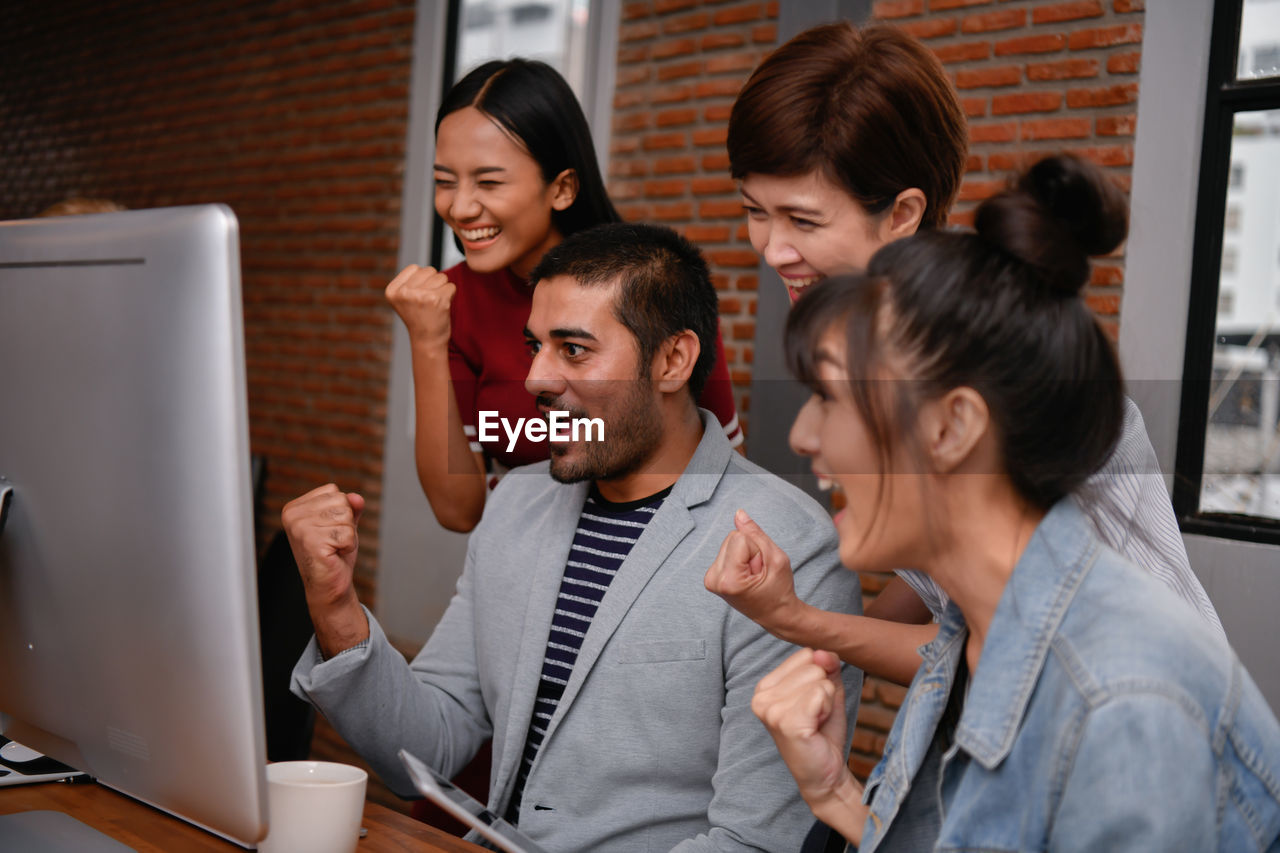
1103 715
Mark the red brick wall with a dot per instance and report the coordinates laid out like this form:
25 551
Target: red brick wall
294 114
1033 77
680 65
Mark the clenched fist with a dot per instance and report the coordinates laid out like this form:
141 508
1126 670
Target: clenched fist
321 526
753 574
422 296
802 705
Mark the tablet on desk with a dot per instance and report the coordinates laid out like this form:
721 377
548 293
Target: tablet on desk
20 765
466 808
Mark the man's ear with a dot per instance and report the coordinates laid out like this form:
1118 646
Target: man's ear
953 426
673 364
904 217
564 189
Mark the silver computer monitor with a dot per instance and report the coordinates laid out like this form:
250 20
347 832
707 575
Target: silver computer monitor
128 617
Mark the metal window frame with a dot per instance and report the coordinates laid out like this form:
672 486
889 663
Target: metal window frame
1224 98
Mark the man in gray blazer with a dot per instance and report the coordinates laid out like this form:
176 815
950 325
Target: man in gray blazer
615 687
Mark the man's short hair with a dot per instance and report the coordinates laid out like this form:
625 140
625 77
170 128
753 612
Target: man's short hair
664 287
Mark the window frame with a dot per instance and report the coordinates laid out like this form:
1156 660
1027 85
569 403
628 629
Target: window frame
1225 97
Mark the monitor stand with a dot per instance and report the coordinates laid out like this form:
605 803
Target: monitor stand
54 832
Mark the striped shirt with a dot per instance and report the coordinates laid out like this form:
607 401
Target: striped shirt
1129 506
606 532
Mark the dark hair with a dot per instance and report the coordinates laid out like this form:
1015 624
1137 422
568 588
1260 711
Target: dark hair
536 107
78 205
871 109
664 287
998 311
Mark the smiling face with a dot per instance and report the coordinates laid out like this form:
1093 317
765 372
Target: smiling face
491 192
808 228
882 525
587 363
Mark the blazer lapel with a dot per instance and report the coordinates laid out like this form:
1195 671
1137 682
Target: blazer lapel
543 590
668 527
661 535
664 532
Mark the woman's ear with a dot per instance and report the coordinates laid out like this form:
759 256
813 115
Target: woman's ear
564 189
953 426
675 360
905 215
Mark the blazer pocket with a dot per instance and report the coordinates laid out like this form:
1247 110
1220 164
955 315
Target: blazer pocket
663 651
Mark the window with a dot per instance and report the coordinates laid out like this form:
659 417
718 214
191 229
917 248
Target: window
1266 62
1232 223
1228 460
552 31
1229 255
529 13
478 16
1259 48
1226 301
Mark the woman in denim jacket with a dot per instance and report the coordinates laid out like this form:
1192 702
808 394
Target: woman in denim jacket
1070 701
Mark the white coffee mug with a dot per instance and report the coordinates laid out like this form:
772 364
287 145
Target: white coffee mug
313 806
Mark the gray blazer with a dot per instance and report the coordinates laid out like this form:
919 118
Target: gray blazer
653 745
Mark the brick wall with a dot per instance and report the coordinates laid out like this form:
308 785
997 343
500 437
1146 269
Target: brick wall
1033 77
680 65
291 112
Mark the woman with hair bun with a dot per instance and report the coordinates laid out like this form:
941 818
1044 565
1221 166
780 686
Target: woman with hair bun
962 393
515 173
845 140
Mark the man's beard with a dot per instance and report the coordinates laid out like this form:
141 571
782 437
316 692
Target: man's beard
632 433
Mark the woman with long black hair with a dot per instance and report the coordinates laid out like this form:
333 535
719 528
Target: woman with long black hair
515 173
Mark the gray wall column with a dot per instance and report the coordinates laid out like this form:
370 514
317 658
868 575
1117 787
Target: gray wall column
775 396
418 560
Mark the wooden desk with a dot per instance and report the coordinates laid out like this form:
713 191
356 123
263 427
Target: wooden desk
149 830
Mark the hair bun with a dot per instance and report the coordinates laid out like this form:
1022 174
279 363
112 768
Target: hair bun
1058 213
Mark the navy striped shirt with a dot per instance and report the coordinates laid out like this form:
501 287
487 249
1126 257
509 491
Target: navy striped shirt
606 531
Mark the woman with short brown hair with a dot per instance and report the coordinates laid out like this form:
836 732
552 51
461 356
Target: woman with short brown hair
845 140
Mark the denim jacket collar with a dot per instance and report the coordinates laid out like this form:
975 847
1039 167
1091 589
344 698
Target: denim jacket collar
1042 585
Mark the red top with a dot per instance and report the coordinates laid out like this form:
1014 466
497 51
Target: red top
488 362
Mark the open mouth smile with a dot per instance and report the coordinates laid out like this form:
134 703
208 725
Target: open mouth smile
478 235
795 286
